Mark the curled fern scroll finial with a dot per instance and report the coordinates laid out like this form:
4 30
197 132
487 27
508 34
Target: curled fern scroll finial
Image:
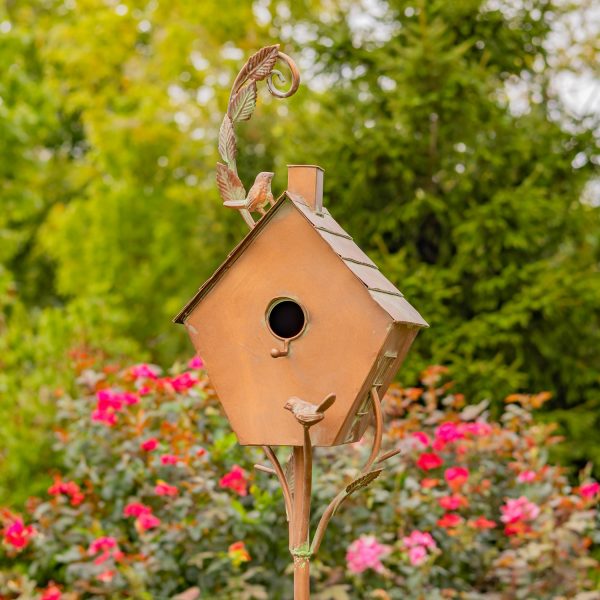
242 102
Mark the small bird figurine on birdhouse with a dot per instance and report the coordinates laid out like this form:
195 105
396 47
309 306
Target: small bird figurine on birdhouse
300 331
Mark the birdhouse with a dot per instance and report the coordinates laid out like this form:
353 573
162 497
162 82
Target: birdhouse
298 310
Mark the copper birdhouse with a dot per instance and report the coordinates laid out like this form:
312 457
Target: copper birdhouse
299 310
300 332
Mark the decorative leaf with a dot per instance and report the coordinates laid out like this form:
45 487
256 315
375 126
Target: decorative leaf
362 482
229 184
289 472
242 105
260 65
227 145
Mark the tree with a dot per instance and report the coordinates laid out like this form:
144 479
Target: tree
476 206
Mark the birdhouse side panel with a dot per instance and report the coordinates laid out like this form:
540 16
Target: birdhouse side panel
334 353
388 363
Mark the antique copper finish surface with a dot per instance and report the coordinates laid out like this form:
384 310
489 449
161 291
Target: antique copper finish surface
339 336
229 330
306 181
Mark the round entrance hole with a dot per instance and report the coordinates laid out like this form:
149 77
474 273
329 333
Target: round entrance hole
286 318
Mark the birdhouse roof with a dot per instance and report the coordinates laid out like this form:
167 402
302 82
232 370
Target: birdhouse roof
379 287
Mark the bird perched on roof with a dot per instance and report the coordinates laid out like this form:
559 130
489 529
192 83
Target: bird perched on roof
258 196
308 414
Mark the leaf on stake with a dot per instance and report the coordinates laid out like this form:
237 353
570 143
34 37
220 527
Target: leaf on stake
229 184
363 481
227 143
242 105
261 64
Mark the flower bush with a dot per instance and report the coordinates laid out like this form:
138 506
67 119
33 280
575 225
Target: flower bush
155 499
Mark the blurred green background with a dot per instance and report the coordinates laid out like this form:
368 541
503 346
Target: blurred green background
453 154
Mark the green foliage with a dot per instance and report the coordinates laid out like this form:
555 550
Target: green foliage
110 218
225 536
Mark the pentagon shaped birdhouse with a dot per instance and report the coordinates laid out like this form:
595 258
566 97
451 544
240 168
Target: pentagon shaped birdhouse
298 310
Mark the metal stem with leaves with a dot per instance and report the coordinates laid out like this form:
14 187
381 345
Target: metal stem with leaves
296 485
242 102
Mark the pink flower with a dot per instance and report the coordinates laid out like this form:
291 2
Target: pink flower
67 488
482 523
476 428
417 555
164 489
129 398
526 476
366 553
147 521
422 438
419 538
51 593
136 509
448 432
17 534
201 451
106 547
456 476
520 509
589 490
450 520
106 576
144 371
235 480
429 461
195 363
107 417
183 382
169 459
149 445
108 399
452 502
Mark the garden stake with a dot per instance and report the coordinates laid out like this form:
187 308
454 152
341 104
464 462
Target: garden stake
295 301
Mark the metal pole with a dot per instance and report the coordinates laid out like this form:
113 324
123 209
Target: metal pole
302 458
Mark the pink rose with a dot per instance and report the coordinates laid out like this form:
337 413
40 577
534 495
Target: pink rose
149 445
366 553
144 371
169 459
452 502
456 476
589 490
136 509
235 480
519 509
422 438
526 476
106 547
417 555
448 432
195 363
147 521
17 534
450 520
183 382
419 538
429 461
51 593
164 489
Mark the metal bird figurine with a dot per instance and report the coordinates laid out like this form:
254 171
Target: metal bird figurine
308 414
258 197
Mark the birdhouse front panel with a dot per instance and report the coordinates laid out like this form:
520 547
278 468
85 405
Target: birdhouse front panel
285 290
